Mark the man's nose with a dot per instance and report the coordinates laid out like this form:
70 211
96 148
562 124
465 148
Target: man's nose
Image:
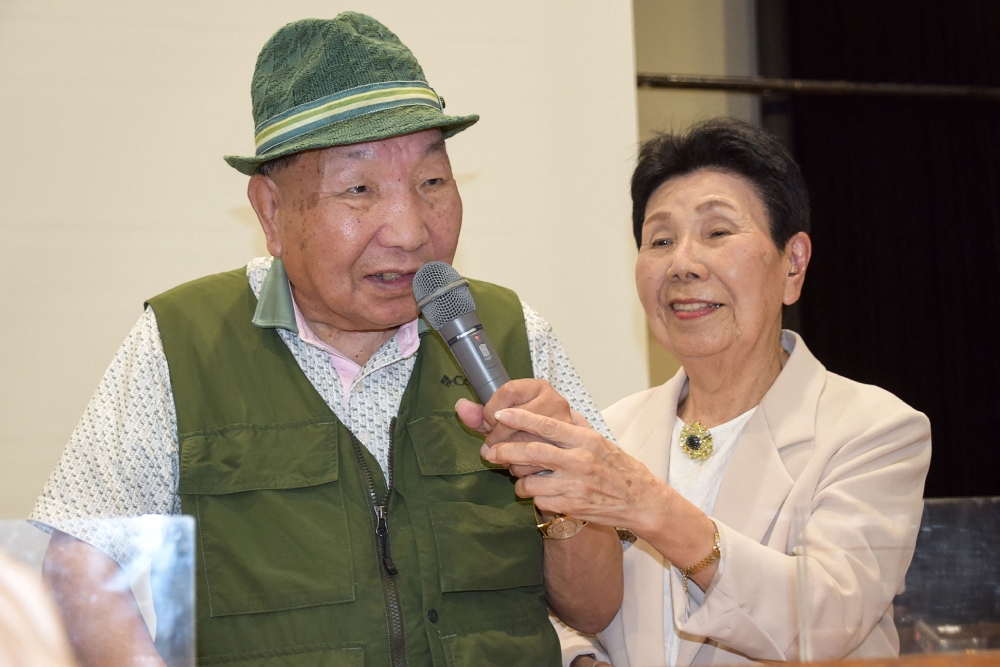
686 263
404 224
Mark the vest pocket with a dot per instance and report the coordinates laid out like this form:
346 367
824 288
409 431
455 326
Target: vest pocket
485 537
529 640
307 656
272 526
482 548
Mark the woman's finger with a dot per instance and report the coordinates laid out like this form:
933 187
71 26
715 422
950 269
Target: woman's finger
540 454
557 432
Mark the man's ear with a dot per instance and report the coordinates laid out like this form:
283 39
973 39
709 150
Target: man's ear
264 197
798 250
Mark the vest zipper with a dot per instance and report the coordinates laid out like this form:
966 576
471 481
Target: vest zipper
397 637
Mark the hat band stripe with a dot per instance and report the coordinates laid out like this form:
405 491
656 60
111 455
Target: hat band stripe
342 106
347 97
340 109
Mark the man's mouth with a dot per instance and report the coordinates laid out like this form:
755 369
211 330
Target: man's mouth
393 280
694 306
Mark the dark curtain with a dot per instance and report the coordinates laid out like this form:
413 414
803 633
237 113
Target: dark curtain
904 288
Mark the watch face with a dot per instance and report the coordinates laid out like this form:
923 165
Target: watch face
564 526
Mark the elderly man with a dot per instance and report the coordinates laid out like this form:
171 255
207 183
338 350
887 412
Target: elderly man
305 416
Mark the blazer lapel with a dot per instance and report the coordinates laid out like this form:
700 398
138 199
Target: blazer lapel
757 482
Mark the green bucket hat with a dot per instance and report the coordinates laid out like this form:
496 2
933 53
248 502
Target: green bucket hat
330 82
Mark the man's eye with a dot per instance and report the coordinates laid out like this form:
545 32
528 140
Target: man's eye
660 243
718 233
359 189
434 181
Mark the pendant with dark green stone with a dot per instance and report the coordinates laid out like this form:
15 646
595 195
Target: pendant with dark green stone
696 441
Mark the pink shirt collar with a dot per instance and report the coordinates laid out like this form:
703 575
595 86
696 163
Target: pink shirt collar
347 369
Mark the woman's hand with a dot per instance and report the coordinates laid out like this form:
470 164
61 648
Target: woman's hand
594 480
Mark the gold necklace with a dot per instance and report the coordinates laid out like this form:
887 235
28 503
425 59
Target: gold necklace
696 441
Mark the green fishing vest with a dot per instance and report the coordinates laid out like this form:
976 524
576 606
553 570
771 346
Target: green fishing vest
292 565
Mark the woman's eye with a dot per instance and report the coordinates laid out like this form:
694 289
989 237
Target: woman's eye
660 243
359 189
719 233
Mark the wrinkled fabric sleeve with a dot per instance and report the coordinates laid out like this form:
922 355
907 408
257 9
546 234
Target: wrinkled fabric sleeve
550 363
121 460
851 555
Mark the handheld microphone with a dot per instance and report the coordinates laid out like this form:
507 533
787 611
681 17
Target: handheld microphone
444 298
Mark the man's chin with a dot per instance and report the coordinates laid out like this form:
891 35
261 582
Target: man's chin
393 320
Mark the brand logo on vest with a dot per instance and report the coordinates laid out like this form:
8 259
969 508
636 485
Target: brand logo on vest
458 381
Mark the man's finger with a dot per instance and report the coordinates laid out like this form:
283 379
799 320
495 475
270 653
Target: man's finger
524 471
579 419
500 433
471 415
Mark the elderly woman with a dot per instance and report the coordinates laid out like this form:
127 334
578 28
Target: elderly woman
753 471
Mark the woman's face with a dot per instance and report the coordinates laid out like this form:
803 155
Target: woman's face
709 276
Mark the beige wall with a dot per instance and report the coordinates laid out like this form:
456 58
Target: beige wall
116 115
691 37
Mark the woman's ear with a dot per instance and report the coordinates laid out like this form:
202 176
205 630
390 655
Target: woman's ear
264 197
798 250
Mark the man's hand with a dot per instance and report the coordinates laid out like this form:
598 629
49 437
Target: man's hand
588 661
102 618
537 396
583 575
593 479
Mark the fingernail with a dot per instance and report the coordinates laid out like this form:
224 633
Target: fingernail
499 415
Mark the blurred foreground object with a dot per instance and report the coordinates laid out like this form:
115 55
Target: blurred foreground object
31 633
125 593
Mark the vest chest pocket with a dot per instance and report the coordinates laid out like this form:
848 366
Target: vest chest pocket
272 526
485 536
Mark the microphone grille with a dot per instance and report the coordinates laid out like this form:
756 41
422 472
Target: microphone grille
445 307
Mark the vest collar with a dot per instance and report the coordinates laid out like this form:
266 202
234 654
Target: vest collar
274 303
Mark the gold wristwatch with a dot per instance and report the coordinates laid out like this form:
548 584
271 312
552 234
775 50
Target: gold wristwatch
561 527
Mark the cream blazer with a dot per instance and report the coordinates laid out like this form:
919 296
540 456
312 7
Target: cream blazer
824 488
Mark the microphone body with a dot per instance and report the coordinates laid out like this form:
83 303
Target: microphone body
444 298
475 354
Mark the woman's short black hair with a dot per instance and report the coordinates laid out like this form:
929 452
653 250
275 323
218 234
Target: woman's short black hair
734 147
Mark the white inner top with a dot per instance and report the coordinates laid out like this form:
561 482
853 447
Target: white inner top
699 483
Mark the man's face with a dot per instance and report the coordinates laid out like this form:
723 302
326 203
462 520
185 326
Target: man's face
352 224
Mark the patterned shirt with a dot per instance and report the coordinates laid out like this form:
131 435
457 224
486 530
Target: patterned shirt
122 459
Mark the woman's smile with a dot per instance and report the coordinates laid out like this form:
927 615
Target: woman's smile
690 309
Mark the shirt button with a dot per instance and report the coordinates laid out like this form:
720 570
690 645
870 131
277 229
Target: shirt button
432 616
